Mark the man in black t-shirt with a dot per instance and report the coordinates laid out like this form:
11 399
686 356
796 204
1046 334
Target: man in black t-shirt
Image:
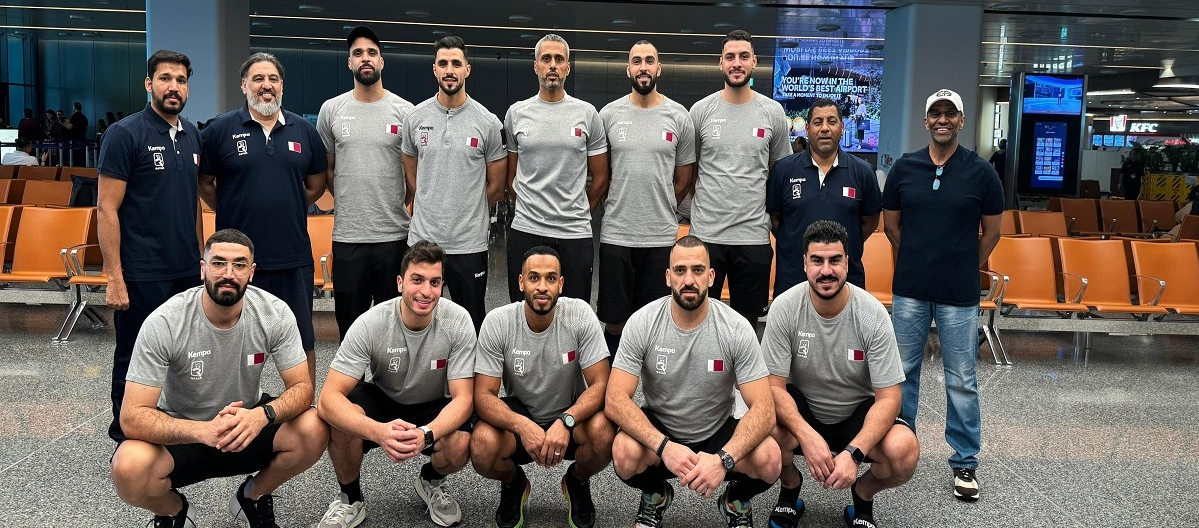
934 202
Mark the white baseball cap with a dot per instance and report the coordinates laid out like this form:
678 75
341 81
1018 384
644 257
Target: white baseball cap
944 94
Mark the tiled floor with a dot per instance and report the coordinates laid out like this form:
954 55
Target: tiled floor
1109 441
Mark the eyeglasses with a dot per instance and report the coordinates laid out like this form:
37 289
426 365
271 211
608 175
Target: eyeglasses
240 269
937 180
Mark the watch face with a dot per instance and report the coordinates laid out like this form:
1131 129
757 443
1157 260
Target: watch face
568 421
728 462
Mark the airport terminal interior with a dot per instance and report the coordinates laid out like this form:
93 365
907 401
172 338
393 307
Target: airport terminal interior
1088 418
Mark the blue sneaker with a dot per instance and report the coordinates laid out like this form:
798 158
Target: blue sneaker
853 520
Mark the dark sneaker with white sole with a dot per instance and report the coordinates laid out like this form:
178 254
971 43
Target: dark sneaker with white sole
786 515
856 520
965 485
183 519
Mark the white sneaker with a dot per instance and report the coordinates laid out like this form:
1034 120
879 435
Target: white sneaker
443 509
965 485
342 514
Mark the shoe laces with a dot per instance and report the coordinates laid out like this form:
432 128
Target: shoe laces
739 514
439 498
964 474
336 511
650 512
262 513
510 496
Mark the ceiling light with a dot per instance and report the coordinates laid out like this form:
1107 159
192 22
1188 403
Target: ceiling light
685 30
609 55
828 28
520 18
311 8
615 40
440 32
529 36
1177 86
1007 6
259 23
1121 91
1132 11
679 59
699 43
723 25
624 22
79 17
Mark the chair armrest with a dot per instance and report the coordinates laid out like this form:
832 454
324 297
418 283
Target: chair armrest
995 291
1161 288
76 261
1081 290
325 274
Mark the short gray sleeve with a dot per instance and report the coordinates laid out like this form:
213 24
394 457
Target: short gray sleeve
597 140
489 361
324 126
464 345
152 352
353 357
780 144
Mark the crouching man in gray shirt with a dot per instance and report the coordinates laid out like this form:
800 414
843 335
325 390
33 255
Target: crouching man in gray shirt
420 351
194 407
690 353
550 356
835 373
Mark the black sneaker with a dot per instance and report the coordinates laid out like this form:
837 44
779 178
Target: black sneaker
256 513
653 505
786 515
182 520
855 520
580 511
737 514
965 486
513 497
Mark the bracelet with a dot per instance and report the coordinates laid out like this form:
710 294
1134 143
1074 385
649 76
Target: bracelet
662 446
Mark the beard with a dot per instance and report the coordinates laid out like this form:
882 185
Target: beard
366 79
729 81
448 91
262 107
829 297
161 104
647 88
224 298
533 305
690 306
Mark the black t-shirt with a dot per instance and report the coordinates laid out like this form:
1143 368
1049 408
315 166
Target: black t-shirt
938 245
79 123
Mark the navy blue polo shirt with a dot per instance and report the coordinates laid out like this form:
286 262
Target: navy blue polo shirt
938 229
158 213
793 190
260 182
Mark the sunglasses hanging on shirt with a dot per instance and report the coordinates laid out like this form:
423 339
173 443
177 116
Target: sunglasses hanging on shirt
937 180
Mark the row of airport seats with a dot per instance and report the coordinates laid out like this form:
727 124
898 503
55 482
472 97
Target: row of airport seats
1113 217
44 186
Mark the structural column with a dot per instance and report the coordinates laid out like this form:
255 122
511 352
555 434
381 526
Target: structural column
215 35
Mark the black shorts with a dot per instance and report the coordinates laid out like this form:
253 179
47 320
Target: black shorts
466 279
837 435
748 272
294 287
520 456
363 275
630 278
577 260
198 462
378 406
712 444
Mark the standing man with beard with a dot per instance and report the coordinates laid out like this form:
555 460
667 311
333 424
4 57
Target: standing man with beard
689 353
146 219
651 141
260 168
549 355
363 130
195 409
555 142
941 209
824 183
741 134
455 163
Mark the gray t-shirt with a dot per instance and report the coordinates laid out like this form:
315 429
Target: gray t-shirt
553 141
453 147
646 145
410 366
368 184
542 370
737 144
688 376
835 363
202 368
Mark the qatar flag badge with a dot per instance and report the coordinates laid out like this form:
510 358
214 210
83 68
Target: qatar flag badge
576 131
472 142
569 357
294 147
759 132
437 364
393 129
668 136
849 192
715 365
257 358
856 355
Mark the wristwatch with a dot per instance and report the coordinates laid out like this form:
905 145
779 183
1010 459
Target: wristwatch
568 421
428 450
726 460
270 413
855 453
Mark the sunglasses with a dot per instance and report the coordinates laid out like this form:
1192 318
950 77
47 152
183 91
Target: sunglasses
937 180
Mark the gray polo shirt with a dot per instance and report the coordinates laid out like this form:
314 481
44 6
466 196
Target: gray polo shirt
542 370
368 184
688 376
835 363
410 366
453 147
737 144
553 141
202 368
646 144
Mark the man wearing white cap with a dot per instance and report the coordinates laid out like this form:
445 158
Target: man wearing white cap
934 201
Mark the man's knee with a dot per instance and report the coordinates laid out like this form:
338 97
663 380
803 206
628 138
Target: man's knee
765 461
457 447
900 452
136 465
598 433
628 455
306 433
484 445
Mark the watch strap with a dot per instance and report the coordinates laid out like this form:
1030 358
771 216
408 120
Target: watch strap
429 440
856 454
270 413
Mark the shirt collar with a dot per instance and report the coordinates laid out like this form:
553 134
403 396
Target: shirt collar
243 114
158 122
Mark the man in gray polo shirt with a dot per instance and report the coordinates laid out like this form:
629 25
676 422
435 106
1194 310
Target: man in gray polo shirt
651 140
362 130
420 352
194 407
690 353
835 373
455 162
554 143
550 357
741 134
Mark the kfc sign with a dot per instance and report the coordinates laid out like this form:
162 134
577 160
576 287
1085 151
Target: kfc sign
1118 123
1142 128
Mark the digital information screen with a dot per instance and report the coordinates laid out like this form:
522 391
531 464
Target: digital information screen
1049 168
1053 94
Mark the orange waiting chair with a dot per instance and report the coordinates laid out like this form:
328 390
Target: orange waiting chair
1119 216
1103 264
45 193
1172 268
1026 265
79 281
1190 228
1156 215
320 235
11 191
8 172
879 263
41 236
989 305
1082 215
34 172
1042 223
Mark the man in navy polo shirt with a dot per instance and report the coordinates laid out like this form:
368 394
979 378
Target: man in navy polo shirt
147 210
260 169
822 183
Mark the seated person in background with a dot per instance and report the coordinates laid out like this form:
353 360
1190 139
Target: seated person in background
1186 209
194 407
22 156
